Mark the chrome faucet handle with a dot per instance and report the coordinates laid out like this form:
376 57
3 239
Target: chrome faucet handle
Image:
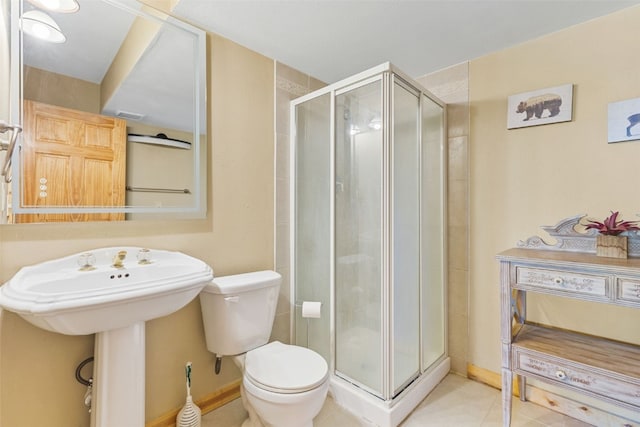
118 260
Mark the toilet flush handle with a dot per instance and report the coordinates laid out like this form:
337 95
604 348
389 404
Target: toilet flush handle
232 299
218 364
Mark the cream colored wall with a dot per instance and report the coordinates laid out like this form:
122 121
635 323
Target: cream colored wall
63 91
138 39
37 367
524 178
157 166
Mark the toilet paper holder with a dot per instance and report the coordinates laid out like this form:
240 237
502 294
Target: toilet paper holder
309 310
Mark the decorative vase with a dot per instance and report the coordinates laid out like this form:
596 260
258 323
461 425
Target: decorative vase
611 246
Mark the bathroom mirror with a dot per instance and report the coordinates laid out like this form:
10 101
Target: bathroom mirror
113 117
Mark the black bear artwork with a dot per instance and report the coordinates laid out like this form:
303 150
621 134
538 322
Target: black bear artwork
537 104
634 119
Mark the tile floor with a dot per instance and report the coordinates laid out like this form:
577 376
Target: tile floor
455 402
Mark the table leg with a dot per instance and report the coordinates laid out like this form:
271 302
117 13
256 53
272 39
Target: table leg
522 387
507 392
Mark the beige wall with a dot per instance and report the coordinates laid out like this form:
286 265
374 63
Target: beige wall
63 91
524 178
37 367
141 34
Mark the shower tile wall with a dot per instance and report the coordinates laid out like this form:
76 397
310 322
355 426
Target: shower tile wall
451 85
290 84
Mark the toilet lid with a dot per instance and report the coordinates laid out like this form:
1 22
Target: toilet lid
283 368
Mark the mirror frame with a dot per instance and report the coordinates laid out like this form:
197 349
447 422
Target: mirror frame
199 144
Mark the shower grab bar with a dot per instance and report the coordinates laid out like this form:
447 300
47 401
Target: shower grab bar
8 147
158 190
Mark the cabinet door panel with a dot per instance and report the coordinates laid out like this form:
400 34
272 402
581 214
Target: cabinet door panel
72 159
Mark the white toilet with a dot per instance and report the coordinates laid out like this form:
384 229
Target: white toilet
283 385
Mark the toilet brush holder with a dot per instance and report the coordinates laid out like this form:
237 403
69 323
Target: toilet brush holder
190 415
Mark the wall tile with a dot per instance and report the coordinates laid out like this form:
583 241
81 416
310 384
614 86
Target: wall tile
459 247
315 84
458 158
282 155
459 364
283 98
451 85
458 338
458 293
284 299
458 203
281 328
282 246
457 120
286 72
282 201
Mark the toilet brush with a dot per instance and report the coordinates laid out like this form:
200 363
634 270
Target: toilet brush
189 415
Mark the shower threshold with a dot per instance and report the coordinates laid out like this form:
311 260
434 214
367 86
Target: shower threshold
375 412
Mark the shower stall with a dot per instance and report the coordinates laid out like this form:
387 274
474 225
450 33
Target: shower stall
368 228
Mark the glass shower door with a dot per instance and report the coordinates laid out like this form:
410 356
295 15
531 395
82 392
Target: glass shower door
369 232
359 236
312 190
433 234
405 234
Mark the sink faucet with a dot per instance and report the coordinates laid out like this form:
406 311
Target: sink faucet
118 259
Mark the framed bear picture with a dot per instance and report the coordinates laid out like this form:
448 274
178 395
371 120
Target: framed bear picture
540 107
624 121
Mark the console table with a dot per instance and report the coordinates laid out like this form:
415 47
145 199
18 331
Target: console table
596 366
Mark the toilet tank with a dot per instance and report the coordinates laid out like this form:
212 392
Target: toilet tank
238 311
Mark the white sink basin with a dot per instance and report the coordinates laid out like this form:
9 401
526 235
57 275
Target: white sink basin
62 297
111 292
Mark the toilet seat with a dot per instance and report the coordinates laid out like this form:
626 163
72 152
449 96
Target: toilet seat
287 369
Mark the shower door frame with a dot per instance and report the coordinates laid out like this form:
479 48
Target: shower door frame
385 338
388 74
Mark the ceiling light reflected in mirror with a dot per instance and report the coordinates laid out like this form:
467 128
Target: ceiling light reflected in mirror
61 6
40 25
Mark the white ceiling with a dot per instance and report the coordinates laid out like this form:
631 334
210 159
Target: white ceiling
328 39
94 34
334 39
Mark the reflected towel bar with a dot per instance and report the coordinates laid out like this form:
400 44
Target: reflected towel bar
8 147
158 190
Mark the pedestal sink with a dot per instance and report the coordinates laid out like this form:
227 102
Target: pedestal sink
110 292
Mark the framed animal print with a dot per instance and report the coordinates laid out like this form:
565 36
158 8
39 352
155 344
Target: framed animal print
624 121
540 107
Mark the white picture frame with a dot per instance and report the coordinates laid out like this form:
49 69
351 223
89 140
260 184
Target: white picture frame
540 107
623 121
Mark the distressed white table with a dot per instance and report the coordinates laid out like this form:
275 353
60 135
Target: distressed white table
596 366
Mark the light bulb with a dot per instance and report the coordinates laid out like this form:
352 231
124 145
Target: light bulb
42 26
60 6
41 31
50 4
